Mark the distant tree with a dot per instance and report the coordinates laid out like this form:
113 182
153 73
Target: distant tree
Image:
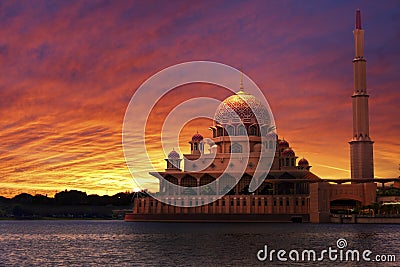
17 211
388 192
98 200
2 212
4 199
23 198
121 199
42 200
72 197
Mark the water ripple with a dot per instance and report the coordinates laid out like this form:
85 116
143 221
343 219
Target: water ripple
110 243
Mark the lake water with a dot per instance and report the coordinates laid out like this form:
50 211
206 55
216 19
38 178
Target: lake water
117 243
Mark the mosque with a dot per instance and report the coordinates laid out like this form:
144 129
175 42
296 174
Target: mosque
203 190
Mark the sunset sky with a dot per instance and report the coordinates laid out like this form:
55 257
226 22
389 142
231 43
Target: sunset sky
68 70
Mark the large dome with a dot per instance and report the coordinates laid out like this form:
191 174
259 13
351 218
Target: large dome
243 104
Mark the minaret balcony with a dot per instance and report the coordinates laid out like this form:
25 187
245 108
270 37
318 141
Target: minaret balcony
357 59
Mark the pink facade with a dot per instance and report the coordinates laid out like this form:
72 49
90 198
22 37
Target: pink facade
243 138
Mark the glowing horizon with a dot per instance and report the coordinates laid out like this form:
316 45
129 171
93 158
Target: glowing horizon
70 68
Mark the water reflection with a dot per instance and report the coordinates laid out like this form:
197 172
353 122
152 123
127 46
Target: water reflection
91 243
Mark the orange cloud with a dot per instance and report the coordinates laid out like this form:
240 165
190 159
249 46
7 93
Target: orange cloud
69 69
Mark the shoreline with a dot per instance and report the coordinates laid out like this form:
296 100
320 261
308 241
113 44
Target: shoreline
60 219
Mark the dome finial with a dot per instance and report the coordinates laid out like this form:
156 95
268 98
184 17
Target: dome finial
241 80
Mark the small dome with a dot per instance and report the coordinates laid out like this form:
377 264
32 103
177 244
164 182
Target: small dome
288 152
283 143
303 162
173 155
197 138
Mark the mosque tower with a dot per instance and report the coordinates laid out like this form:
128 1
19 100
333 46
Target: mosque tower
361 150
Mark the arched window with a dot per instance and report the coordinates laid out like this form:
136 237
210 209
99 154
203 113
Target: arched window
189 181
292 161
195 146
230 130
243 184
207 187
236 148
220 131
263 131
270 145
241 130
170 189
173 163
226 185
287 161
253 130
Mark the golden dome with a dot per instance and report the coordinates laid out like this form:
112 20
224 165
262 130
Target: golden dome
243 104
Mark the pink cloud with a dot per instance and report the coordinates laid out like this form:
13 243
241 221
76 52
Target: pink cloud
69 70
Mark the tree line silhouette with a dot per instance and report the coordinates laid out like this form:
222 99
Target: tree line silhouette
66 204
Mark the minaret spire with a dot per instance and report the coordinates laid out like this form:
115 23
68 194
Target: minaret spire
358 19
361 151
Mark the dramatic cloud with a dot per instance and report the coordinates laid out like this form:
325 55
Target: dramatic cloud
68 70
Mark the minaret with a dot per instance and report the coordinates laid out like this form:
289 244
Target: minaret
361 151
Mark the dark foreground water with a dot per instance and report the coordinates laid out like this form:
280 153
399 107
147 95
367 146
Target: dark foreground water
116 243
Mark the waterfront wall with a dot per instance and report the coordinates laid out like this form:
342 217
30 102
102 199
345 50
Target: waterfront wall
230 204
365 219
